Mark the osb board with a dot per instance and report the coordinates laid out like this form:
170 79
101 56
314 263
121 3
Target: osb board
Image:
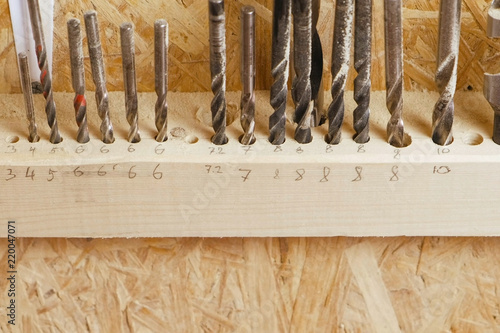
189 52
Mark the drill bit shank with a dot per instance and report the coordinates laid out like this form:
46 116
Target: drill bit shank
247 105
28 97
161 79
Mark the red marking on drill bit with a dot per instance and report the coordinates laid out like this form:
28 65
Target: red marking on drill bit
80 101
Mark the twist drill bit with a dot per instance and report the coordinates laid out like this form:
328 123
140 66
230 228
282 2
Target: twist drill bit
98 76
446 74
247 104
43 64
161 79
341 51
78 79
280 66
129 80
217 27
317 93
28 96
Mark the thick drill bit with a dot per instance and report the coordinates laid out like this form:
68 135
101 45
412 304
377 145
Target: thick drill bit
43 64
78 79
28 96
161 79
341 52
280 67
247 104
98 76
317 93
217 27
446 74
129 80
362 65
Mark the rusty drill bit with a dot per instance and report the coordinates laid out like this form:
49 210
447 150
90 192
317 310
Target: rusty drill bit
161 79
78 79
247 104
317 92
217 27
28 96
341 52
446 74
98 75
43 64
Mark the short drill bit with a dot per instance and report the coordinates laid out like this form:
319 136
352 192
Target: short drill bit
161 79
98 75
446 74
129 80
341 52
217 27
280 67
28 96
43 64
317 93
247 105
78 79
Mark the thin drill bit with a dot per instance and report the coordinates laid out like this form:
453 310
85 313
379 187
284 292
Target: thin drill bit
161 79
247 105
129 80
217 27
78 79
446 74
280 67
43 64
362 65
28 96
98 76
341 52
317 93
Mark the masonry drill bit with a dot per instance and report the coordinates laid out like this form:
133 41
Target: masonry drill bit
98 76
161 79
280 67
217 27
247 105
446 74
317 93
28 96
43 64
78 79
341 52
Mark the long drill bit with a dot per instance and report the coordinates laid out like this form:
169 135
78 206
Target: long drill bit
161 79
217 27
341 52
247 104
362 65
446 74
98 76
28 96
129 80
78 79
280 67
43 64
317 93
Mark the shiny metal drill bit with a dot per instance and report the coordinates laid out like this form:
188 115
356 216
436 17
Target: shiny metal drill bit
43 64
446 74
78 79
279 69
217 27
341 52
247 104
28 96
98 75
161 79
317 93
129 80
493 28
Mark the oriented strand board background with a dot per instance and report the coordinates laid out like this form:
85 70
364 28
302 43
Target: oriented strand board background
189 56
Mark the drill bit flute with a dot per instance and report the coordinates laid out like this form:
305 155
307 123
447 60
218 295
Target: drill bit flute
161 79
317 93
28 96
247 105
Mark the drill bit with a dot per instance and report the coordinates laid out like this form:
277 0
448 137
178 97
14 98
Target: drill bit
317 93
217 27
341 52
98 76
78 79
280 66
362 65
129 80
247 105
446 74
161 79
28 96
43 64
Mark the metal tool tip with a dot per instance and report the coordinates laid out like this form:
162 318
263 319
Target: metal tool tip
216 7
73 22
90 14
161 23
126 26
22 55
247 10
